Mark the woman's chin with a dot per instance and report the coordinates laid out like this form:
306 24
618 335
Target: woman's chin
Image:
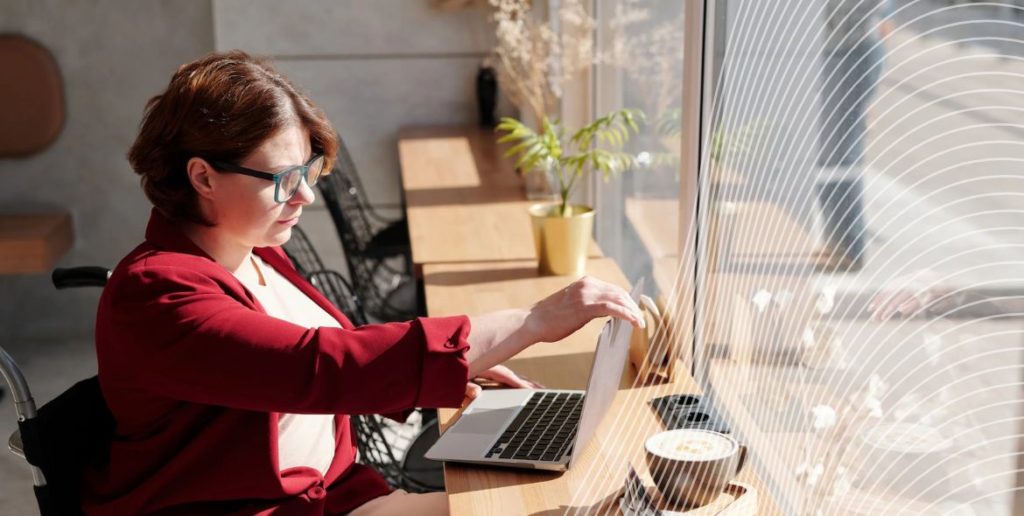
278 238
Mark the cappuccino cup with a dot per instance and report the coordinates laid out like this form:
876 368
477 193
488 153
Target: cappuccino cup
691 467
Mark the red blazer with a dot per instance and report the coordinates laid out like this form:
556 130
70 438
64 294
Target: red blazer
195 373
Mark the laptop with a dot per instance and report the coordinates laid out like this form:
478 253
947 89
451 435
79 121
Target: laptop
539 428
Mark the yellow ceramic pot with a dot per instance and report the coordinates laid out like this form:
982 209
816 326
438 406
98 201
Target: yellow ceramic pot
562 242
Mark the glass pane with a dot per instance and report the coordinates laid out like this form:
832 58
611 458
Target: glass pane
638 215
860 307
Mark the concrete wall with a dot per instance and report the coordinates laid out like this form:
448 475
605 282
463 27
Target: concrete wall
113 55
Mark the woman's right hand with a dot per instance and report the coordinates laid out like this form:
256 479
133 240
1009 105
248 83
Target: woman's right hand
909 296
562 313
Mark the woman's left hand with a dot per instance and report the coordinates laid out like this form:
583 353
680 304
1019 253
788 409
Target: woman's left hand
505 376
562 313
497 336
472 391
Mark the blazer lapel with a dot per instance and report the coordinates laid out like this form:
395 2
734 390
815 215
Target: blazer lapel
166 235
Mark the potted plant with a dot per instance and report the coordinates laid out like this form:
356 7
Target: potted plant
539 51
562 230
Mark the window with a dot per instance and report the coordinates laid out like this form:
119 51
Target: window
860 150
858 261
638 219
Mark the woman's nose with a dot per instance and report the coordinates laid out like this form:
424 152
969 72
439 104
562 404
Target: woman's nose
304 195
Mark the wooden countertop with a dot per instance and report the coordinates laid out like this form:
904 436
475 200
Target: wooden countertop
464 200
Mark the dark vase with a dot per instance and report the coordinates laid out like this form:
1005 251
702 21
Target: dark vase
486 95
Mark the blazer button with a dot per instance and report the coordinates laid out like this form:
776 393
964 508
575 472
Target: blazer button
316 492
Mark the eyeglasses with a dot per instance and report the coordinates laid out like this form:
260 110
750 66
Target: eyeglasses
287 181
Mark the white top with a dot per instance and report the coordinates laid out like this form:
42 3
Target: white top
303 439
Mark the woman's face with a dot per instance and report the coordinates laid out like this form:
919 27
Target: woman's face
243 207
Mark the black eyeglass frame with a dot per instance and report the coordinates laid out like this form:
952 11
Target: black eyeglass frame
224 166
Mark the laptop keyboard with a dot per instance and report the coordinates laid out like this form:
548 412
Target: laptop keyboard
543 430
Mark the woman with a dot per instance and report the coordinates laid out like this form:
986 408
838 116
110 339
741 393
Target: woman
926 293
851 67
228 375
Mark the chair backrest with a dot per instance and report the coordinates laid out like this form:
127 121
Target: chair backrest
350 199
71 434
302 253
351 224
338 291
375 451
347 167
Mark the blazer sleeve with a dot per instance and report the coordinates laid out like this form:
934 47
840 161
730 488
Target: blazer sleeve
176 332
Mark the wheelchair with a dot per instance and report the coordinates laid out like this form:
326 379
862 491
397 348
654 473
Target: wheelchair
73 432
66 435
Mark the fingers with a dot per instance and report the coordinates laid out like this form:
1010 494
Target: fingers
634 308
620 307
910 306
907 295
884 305
472 391
611 300
506 376
562 313
618 311
903 303
518 383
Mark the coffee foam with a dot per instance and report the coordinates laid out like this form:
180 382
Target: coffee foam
691 445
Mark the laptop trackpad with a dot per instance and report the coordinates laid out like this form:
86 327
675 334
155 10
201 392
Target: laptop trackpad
485 421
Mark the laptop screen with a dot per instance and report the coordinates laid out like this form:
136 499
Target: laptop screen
605 373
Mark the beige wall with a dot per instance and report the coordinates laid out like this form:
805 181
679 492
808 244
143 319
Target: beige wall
113 56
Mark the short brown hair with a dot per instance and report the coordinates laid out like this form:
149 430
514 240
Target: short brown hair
219 107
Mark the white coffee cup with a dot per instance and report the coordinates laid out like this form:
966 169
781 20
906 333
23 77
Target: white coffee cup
691 467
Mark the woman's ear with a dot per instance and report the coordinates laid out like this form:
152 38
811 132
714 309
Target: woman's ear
200 174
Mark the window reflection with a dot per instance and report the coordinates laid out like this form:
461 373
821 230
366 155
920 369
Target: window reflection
862 317
642 40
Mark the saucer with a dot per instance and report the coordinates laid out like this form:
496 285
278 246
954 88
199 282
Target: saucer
629 511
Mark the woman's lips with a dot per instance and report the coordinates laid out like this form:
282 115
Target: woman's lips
289 222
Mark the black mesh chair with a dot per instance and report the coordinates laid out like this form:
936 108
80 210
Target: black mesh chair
302 253
338 291
66 435
388 296
378 237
